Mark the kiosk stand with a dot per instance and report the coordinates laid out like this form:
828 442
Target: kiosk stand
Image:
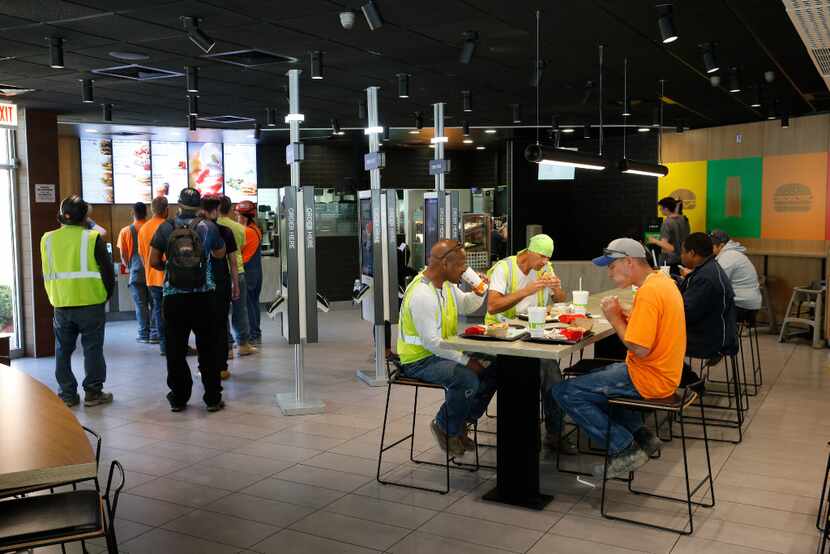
298 279
442 211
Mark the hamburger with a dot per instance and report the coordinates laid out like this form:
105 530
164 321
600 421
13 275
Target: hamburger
498 330
686 196
792 197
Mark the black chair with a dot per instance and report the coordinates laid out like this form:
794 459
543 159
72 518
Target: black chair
735 391
747 323
823 516
60 518
673 405
395 377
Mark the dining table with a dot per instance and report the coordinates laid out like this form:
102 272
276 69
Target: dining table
41 441
518 435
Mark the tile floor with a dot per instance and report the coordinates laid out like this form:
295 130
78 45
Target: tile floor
252 480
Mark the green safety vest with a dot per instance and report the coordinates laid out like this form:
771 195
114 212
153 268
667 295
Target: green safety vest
511 269
70 273
410 345
238 231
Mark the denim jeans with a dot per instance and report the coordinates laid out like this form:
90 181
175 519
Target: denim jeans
141 301
158 316
585 399
551 376
239 313
88 322
253 279
467 394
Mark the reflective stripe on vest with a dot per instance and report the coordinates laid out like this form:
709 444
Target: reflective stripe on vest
512 269
410 343
71 281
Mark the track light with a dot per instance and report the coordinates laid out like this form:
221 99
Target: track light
710 62
655 120
192 104
756 96
517 112
785 121
548 155
257 131
419 120
641 168
469 47
192 77
335 128
643 129
361 110
467 100
386 134
56 52
734 80
87 94
271 117
586 131
403 85
665 21
191 122
568 130
106 112
196 35
317 65
372 15
465 126
468 141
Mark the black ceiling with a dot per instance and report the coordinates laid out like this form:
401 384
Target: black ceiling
420 37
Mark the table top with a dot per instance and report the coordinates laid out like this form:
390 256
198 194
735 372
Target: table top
602 329
41 441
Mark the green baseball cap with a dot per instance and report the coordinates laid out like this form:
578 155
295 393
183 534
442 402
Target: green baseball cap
541 244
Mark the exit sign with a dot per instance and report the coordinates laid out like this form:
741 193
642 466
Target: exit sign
8 115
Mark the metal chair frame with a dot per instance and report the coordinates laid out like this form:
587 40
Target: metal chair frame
723 422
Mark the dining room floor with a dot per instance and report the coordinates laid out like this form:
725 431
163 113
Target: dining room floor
249 479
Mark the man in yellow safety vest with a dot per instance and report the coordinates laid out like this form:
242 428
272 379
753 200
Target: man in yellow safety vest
429 313
516 284
79 278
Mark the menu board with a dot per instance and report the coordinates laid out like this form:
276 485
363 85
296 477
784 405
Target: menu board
131 163
205 167
96 171
169 169
240 172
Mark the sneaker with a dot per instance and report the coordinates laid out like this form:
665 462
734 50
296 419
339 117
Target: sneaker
224 374
247 349
622 464
216 407
468 443
151 340
71 402
648 441
564 446
256 340
173 406
453 444
142 340
191 351
97 398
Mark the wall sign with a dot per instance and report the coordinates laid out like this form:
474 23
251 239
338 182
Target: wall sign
8 115
45 194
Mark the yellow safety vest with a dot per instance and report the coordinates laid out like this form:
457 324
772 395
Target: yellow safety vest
71 275
410 345
511 269
238 231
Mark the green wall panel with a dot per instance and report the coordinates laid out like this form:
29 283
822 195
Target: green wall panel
734 196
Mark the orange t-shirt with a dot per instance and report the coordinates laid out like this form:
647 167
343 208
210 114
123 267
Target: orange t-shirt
253 237
657 322
155 278
125 242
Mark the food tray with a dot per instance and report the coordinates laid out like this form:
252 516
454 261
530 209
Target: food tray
514 338
543 340
548 318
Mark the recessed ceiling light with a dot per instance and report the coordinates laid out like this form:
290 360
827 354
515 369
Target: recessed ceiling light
468 141
480 147
414 132
490 131
568 130
643 130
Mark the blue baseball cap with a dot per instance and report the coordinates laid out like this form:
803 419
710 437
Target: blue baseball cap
618 249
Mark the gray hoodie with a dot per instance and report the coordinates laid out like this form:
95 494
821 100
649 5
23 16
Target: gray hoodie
742 275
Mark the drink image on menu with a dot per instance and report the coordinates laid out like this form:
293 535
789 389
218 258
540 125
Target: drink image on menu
206 169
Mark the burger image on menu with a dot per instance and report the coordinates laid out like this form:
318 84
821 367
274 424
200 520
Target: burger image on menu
105 148
686 196
792 197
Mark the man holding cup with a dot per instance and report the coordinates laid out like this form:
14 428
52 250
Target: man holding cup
519 284
654 333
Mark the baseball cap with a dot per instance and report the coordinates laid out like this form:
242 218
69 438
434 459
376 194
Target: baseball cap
719 236
541 244
618 249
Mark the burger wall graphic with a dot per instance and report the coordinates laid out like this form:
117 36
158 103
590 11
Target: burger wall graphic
688 198
792 197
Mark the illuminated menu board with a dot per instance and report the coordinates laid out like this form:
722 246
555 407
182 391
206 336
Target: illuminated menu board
169 169
96 171
240 172
131 163
205 167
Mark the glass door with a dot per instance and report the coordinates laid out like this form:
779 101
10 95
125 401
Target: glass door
9 276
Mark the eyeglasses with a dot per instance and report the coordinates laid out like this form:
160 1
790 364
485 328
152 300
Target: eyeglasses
609 252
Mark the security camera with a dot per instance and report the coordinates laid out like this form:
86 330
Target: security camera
347 19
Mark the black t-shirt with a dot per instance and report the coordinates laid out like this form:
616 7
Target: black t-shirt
221 271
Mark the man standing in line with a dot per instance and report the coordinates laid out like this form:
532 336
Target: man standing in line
239 305
252 258
131 261
79 279
154 277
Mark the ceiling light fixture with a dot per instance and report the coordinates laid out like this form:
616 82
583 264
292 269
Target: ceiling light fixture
372 14
710 62
294 117
191 122
480 147
192 77
335 128
465 128
586 131
419 121
316 65
640 168
568 130
633 167
644 129
414 132
196 35
56 52
468 141
757 93
192 104
517 112
87 93
403 85
626 111
373 130
257 131
469 47
785 121
490 131
467 101
734 80
271 117
665 21
106 112
547 155
714 80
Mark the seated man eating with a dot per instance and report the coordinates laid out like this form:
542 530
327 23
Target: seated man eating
429 313
654 332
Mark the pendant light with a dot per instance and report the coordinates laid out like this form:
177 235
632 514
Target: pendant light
271 117
191 122
192 78
106 112
87 94
403 85
634 167
56 52
467 100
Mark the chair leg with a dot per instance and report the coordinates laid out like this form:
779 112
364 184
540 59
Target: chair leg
686 473
708 458
383 429
758 354
819 526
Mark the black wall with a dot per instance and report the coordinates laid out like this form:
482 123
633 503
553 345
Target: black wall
585 214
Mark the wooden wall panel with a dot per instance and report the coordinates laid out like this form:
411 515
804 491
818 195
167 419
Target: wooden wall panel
723 142
806 248
69 166
685 147
805 135
785 273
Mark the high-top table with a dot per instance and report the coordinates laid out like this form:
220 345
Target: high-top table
41 441
517 425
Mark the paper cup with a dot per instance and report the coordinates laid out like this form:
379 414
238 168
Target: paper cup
474 280
580 300
536 321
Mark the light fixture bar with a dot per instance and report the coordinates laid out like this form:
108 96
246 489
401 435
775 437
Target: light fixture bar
642 168
547 155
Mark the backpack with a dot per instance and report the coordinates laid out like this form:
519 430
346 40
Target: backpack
186 260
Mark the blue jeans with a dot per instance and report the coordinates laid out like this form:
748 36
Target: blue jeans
585 399
158 317
253 278
88 322
141 301
239 314
467 394
551 376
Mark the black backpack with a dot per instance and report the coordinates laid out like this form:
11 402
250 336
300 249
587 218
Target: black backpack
186 260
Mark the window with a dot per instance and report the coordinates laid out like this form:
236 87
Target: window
9 282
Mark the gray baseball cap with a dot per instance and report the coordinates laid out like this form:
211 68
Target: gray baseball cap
618 249
719 236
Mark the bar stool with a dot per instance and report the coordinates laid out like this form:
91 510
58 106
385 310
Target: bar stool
734 391
766 306
823 516
812 299
747 322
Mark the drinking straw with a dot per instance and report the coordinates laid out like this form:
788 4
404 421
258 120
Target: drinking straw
580 282
654 257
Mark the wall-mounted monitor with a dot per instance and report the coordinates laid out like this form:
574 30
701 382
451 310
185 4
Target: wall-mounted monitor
205 167
131 171
240 172
169 169
96 171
